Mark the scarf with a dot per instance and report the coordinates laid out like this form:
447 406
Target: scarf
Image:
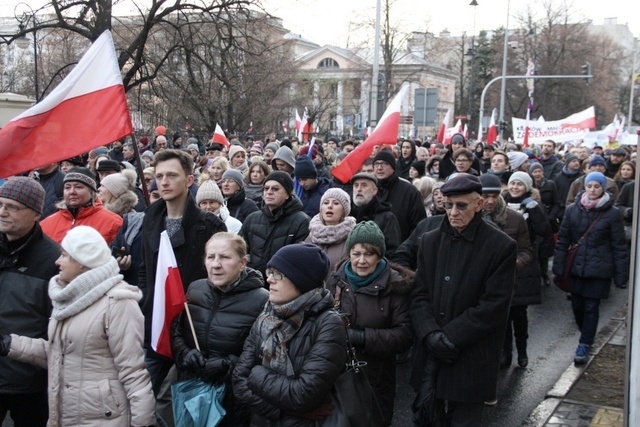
356 282
278 323
597 203
84 290
322 234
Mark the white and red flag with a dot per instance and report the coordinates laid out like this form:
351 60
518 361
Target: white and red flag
492 132
220 137
168 298
444 126
386 132
86 110
302 126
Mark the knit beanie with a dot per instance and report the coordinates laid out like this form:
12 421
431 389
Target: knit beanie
87 246
419 165
304 151
306 265
82 175
305 168
281 178
209 190
386 156
116 183
366 232
341 196
596 160
598 177
523 177
490 183
235 149
256 148
569 158
192 146
517 159
273 147
24 190
235 175
534 166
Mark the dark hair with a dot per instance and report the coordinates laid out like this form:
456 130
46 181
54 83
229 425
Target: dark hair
184 159
503 154
463 152
262 165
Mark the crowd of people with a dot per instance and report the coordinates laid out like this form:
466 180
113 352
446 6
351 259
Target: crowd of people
430 252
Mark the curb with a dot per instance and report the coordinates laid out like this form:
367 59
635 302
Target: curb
541 414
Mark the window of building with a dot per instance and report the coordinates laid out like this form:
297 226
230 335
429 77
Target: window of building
328 63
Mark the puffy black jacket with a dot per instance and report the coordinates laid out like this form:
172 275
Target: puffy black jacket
602 255
265 232
26 265
380 213
317 352
311 199
240 207
222 321
406 202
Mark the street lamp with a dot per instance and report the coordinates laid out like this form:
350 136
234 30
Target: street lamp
471 54
28 15
503 88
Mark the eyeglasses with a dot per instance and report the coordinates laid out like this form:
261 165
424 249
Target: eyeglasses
463 159
380 164
11 208
461 206
274 273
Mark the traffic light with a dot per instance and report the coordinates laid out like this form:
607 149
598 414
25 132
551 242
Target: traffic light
586 71
382 87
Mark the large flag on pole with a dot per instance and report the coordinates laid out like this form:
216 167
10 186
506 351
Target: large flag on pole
168 298
220 137
386 132
525 141
444 126
492 132
86 110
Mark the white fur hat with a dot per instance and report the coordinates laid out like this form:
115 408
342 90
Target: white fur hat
116 183
87 246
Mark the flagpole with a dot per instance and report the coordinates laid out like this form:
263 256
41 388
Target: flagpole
139 170
193 330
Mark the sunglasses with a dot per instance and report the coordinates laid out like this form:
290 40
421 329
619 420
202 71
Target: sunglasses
461 206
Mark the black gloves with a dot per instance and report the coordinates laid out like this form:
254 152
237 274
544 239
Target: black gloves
192 361
441 347
5 344
628 214
356 337
214 369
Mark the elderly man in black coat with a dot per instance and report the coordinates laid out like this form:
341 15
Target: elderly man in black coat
464 282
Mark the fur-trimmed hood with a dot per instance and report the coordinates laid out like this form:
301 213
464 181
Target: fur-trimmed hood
123 291
123 204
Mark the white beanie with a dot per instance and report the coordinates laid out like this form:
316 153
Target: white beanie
516 159
209 190
87 246
235 149
523 177
116 183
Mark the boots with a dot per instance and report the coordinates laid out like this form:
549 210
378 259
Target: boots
523 359
505 359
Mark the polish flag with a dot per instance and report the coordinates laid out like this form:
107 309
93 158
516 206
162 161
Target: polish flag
298 122
219 136
525 142
285 128
492 132
303 126
443 126
458 126
86 110
168 300
465 132
386 132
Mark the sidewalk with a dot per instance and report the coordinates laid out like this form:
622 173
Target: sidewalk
591 395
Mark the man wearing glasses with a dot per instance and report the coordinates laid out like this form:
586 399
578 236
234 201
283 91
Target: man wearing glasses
27 263
464 281
447 164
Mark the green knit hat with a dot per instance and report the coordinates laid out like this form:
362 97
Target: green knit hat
366 232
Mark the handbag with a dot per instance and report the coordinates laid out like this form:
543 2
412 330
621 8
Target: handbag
564 282
197 404
354 401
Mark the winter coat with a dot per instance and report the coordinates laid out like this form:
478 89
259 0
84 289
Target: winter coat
254 192
577 187
222 321
448 166
239 206
265 232
625 202
26 265
380 213
97 373
381 309
123 204
406 203
551 166
403 165
317 352
311 199
553 208
53 184
407 253
188 246
563 181
130 237
106 222
602 256
464 284
331 239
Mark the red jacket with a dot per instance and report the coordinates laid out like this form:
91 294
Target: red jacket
106 222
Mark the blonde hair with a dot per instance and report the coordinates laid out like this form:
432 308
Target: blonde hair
237 243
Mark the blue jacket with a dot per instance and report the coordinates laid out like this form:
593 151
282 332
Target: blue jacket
311 199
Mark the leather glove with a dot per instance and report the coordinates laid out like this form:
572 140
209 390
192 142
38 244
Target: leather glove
214 369
5 344
441 347
356 337
628 214
320 412
193 360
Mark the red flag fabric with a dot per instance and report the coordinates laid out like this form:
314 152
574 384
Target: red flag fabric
168 298
386 132
443 126
220 137
86 110
525 143
492 133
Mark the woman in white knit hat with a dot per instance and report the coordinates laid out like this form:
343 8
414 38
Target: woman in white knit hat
115 192
209 198
94 354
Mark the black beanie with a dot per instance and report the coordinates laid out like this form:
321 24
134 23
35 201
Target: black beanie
281 178
490 183
419 165
306 265
305 168
386 156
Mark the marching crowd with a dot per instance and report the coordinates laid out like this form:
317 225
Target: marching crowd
431 252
